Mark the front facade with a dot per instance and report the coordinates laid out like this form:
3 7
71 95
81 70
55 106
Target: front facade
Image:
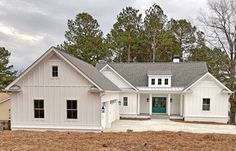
183 90
61 92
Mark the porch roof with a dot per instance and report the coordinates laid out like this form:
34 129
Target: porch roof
160 89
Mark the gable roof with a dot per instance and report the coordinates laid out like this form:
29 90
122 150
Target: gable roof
91 72
212 77
87 70
183 73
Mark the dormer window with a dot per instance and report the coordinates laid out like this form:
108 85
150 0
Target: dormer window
54 71
159 81
166 81
159 78
153 81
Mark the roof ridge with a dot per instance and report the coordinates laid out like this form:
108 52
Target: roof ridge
189 62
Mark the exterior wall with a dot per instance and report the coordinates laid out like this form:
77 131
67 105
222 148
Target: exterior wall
175 104
111 112
39 84
4 110
206 88
144 105
119 82
132 103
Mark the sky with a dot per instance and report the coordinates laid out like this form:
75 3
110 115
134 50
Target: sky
28 28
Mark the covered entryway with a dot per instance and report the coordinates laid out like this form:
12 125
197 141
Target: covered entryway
161 104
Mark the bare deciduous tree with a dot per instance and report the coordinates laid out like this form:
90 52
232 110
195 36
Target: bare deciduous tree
221 29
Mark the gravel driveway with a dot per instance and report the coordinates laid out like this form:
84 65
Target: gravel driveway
167 125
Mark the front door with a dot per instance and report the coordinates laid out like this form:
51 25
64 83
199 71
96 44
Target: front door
159 105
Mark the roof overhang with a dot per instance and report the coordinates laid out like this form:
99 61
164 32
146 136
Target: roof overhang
160 89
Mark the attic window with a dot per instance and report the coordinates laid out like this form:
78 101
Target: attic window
166 82
159 81
54 71
153 81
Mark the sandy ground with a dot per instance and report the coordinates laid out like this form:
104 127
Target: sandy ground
167 125
135 141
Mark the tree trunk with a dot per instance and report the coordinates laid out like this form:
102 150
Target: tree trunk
154 48
129 58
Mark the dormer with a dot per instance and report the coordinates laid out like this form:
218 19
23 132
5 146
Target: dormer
160 78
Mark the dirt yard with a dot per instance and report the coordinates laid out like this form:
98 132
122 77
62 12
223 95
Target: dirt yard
138 141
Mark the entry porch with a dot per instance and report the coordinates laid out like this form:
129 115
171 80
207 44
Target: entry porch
160 104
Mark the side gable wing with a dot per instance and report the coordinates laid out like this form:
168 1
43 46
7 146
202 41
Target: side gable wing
211 77
116 78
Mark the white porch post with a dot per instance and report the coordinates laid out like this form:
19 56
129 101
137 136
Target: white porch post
138 111
150 104
181 104
168 105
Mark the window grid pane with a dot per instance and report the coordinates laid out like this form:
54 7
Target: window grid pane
71 109
159 81
153 81
206 104
55 71
166 81
38 108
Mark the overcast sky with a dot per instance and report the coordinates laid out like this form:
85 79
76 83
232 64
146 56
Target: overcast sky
29 27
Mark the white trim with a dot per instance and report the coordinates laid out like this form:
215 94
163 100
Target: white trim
54 127
211 76
52 49
107 65
206 116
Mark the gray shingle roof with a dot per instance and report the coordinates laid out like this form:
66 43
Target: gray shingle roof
182 73
159 72
91 72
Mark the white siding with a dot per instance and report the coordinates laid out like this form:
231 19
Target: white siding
206 88
132 103
39 84
175 104
119 82
144 105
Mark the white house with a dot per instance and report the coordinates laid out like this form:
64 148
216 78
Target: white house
61 92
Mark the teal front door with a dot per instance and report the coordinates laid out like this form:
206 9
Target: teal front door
159 105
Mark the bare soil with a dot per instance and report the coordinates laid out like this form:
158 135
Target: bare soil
135 141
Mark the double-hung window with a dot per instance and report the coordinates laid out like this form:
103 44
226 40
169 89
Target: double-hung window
125 101
72 109
38 108
206 104
54 71
166 82
159 81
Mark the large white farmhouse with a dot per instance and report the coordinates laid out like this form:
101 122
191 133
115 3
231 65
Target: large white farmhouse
61 92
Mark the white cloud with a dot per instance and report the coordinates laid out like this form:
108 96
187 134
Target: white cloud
10 31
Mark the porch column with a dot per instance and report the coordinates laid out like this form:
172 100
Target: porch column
181 104
138 105
150 104
168 105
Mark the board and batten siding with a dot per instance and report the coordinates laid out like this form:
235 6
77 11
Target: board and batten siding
206 88
132 103
39 84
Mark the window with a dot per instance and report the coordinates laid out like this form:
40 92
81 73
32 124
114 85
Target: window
159 81
206 104
153 81
166 81
38 108
71 109
125 101
54 71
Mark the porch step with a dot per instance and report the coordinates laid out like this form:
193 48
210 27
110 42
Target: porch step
176 117
135 117
159 116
